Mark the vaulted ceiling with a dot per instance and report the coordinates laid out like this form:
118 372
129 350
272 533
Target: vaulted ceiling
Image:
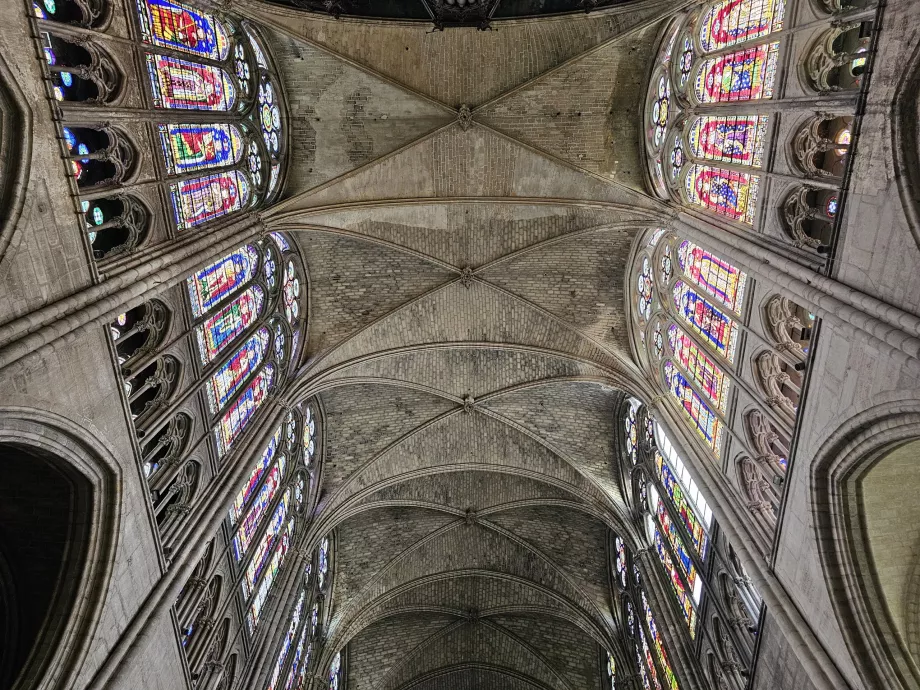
468 332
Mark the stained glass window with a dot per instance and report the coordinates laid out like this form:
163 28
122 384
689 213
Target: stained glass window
736 139
611 670
676 493
621 562
291 292
323 568
188 85
264 548
727 192
649 431
644 289
175 25
657 340
702 370
698 412
253 519
742 75
227 380
661 108
222 328
632 434
686 61
255 608
269 117
647 663
247 490
718 330
657 235
202 199
280 241
717 277
666 265
298 663
335 671
235 419
659 645
213 283
684 558
683 476
677 585
286 643
309 434
733 21
190 148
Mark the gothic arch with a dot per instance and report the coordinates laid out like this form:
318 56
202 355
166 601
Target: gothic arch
15 153
905 134
81 478
858 474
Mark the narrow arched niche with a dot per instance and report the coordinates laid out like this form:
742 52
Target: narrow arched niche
44 506
891 516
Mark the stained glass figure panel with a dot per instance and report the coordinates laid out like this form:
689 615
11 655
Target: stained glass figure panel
717 277
735 139
227 380
647 663
219 330
258 601
186 85
213 283
743 75
335 669
717 330
250 524
657 642
676 493
729 193
191 148
291 293
701 417
175 25
621 562
201 199
702 370
730 22
248 489
296 670
235 419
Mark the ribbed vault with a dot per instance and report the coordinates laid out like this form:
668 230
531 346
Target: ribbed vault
467 338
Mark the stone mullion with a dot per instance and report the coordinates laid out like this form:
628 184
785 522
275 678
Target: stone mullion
204 521
74 111
823 296
739 530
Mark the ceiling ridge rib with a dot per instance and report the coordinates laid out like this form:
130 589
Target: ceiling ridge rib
351 506
533 651
672 9
663 214
578 617
312 386
364 598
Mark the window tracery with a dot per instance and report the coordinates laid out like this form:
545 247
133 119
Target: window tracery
808 215
138 331
838 58
190 62
822 144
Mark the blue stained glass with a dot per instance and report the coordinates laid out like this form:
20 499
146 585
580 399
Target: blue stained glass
66 78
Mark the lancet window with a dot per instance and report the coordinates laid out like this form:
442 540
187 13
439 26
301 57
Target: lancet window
212 93
688 550
690 316
699 156
267 509
641 634
714 105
